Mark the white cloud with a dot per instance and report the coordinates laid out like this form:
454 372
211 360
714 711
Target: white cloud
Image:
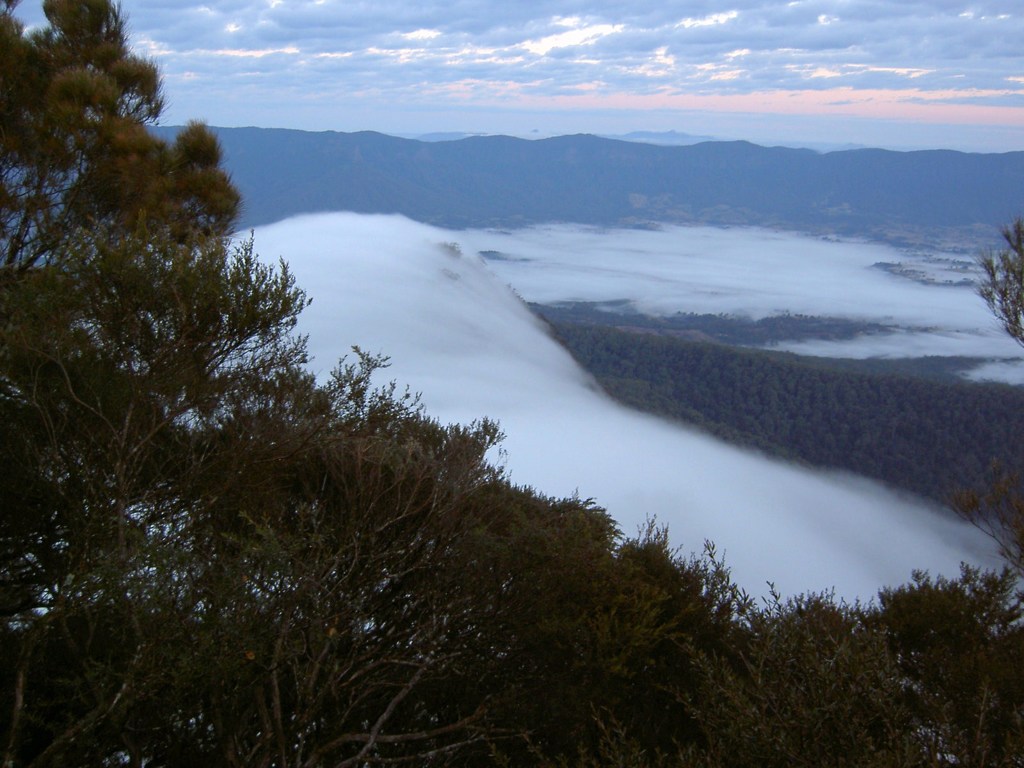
714 19
758 273
659 64
422 34
247 53
711 72
400 55
791 51
908 72
151 47
459 336
853 70
577 36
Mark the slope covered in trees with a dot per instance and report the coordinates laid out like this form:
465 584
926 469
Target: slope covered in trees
930 437
208 558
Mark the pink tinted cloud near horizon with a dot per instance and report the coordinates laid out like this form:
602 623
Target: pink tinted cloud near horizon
892 104
599 67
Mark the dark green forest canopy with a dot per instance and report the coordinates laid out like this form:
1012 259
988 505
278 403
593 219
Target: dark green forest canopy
208 558
765 332
728 329
932 437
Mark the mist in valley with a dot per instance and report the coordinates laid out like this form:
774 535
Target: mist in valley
456 333
927 298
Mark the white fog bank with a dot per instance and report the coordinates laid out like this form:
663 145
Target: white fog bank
758 273
457 334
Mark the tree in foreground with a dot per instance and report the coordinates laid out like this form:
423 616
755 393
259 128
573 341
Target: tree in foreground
999 510
205 556
209 558
75 150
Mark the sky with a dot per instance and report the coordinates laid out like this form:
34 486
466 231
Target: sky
901 74
459 335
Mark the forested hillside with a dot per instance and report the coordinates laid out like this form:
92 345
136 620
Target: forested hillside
930 437
946 199
209 558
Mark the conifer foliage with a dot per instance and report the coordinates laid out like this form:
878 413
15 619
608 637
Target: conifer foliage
75 151
999 510
209 558
205 557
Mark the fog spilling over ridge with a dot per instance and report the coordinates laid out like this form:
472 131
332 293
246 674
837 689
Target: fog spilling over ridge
456 333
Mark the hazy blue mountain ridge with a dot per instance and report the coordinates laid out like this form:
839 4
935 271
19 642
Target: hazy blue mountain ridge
939 198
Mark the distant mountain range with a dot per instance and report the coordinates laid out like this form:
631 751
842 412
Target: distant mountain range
937 198
670 138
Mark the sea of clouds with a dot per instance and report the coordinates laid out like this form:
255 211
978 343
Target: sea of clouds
928 297
459 335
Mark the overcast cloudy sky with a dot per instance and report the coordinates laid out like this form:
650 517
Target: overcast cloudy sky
903 73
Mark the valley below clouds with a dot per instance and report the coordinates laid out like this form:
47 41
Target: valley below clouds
457 330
